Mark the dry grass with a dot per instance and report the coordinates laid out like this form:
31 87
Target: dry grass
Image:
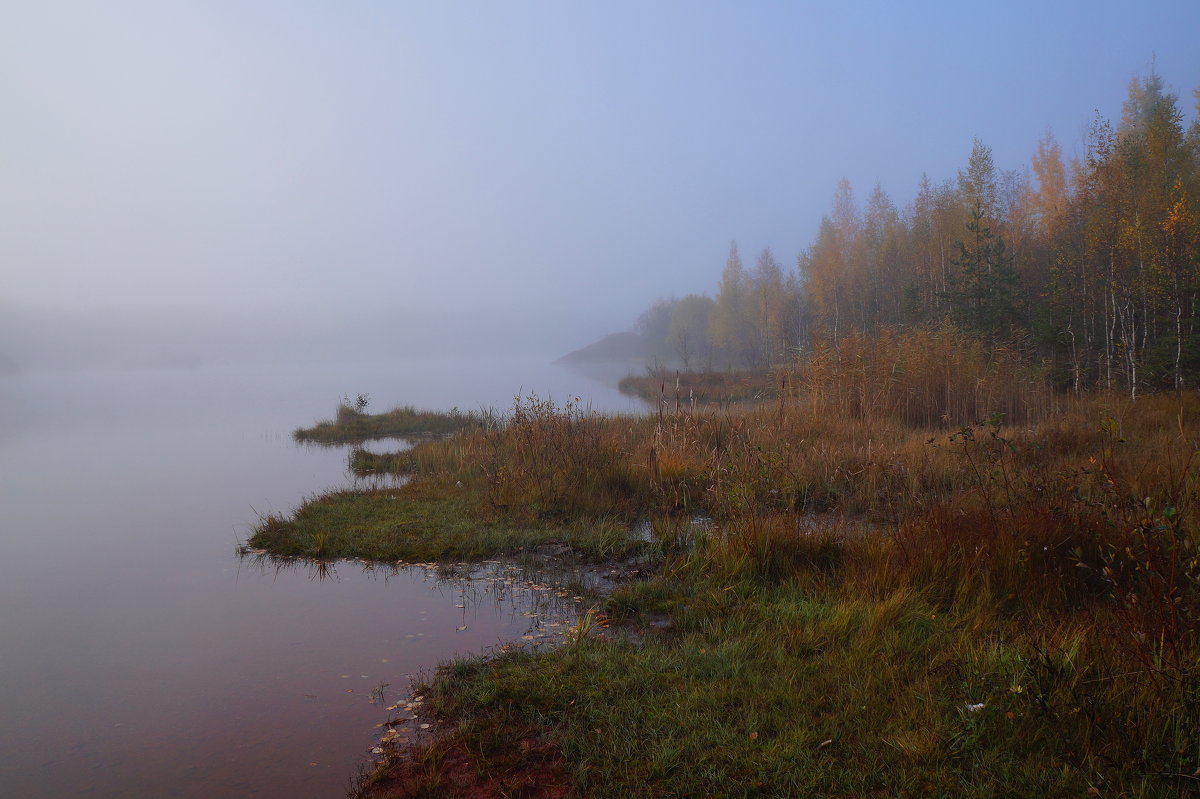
930 376
918 559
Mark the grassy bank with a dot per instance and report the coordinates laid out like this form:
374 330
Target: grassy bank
846 685
424 521
895 591
1023 625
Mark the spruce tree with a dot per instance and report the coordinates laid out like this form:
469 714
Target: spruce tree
983 290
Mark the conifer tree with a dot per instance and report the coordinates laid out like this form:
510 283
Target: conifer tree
983 294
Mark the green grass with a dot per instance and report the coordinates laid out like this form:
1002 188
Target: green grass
814 686
422 521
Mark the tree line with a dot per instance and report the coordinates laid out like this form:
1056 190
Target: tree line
1092 266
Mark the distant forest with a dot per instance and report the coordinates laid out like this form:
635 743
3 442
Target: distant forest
1090 269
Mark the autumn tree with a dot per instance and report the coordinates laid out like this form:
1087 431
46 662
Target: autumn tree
830 277
978 182
1098 258
689 328
727 327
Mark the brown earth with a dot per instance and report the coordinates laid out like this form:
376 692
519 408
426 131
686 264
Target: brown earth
528 767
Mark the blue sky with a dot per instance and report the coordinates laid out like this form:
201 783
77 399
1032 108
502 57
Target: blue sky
572 159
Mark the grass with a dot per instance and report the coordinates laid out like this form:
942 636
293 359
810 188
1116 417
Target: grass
896 591
838 675
760 693
422 521
673 388
352 424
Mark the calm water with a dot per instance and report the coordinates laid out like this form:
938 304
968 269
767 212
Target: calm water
139 656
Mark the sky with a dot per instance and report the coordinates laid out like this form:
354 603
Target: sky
558 163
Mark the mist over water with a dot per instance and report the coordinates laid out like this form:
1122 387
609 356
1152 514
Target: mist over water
180 338
138 654
218 220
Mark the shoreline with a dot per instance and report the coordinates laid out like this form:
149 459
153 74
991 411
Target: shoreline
945 608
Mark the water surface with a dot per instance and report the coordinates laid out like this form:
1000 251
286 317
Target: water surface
139 656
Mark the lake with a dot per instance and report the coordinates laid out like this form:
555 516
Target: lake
139 655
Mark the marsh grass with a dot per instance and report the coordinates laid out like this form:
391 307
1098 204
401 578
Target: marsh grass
673 389
353 424
1001 595
834 673
422 521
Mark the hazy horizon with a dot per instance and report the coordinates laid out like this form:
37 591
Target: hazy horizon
159 338
527 176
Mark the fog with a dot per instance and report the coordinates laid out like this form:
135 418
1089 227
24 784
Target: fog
165 338
184 183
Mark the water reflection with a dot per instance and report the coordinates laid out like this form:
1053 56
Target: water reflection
544 595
